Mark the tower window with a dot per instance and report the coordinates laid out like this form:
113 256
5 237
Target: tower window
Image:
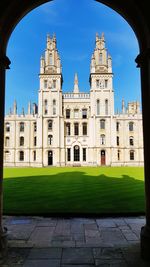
117 126
67 113
50 59
21 141
54 106
34 126
106 83
84 113
50 125
98 106
35 140
76 129
97 83
76 113
106 107
102 139
131 140
100 58
117 140
131 126
54 83
34 155
50 139
21 126
45 84
7 127
84 128
118 154
68 128
7 141
45 106
102 124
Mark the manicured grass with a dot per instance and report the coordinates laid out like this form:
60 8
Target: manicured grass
78 190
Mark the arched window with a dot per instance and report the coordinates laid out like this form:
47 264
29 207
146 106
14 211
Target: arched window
118 154
7 156
84 113
34 155
21 126
100 58
34 126
102 139
50 139
21 156
7 141
131 141
7 127
35 140
117 126
84 128
45 84
54 106
68 128
98 106
21 141
130 126
67 113
106 106
50 59
76 153
45 106
50 125
131 154
102 124
117 140
76 129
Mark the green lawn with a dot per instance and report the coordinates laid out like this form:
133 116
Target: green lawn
77 190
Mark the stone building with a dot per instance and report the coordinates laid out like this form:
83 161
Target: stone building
76 128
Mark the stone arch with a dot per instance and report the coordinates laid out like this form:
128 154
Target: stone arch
12 13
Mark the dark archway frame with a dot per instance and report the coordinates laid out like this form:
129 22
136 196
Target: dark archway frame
136 13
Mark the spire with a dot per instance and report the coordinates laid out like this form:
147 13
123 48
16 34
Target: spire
23 111
76 87
123 106
15 107
29 108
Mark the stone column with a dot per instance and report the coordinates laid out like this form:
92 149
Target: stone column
4 64
143 61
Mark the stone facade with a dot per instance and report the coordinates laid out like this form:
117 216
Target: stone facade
74 129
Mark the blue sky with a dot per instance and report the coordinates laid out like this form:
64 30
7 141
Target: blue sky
75 24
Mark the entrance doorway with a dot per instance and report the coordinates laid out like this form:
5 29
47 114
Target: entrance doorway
103 158
50 158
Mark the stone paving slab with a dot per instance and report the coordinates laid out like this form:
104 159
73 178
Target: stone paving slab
42 263
77 256
82 242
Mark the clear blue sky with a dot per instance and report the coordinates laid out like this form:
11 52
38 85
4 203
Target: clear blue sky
75 24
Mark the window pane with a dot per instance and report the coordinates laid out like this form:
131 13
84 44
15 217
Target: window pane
76 129
84 113
84 154
68 154
84 129
67 113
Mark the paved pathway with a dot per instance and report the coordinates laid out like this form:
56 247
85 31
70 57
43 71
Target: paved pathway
70 242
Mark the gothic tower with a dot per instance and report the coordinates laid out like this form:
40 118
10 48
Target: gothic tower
102 96
50 105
